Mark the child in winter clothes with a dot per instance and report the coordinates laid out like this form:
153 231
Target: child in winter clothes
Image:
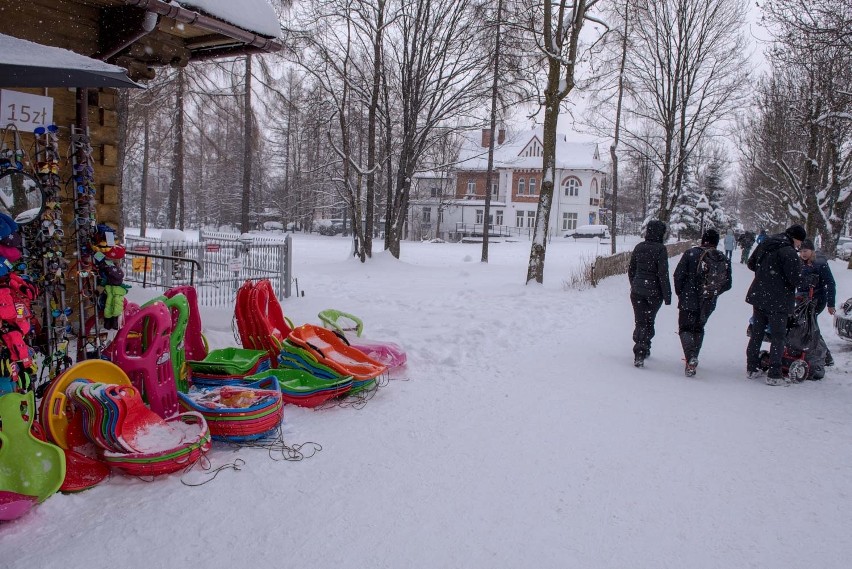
817 274
649 287
730 244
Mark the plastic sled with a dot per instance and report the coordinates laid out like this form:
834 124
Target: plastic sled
14 505
386 353
341 321
180 312
301 383
229 361
243 316
296 357
62 424
81 471
194 345
28 466
151 371
334 352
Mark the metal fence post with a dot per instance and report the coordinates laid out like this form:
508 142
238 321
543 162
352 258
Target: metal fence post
285 264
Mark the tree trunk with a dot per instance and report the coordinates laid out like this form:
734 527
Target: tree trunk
176 190
486 223
146 166
372 119
613 150
248 135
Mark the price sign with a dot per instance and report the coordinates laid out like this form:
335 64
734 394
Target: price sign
235 265
24 110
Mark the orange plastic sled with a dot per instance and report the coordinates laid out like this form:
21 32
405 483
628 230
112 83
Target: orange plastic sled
331 350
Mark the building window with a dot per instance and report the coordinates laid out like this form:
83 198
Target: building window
532 186
571 187
519 219
480 215
530 219
522 186
499 214
435 192
441 215
494 189
594 188
569 220
471 187
427 214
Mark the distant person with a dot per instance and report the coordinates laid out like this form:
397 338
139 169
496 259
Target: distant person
649 287
772 295
761 237
702 274
746 242
817 273
730 244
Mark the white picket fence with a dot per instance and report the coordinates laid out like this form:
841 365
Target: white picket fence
216 265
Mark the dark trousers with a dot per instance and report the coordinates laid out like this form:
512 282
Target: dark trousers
777 322
645 310
729 253
819 308
691 327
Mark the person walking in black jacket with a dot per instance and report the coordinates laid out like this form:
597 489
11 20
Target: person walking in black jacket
772 295
702 274
649 287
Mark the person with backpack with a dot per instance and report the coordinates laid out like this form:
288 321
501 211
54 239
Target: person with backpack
649 287
702 274
746 242
772 294
817 274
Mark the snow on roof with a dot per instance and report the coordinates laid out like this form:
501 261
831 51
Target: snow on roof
26 53
253 15
511 154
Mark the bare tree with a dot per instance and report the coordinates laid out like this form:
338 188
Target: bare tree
687 73
437 79
798 143
556 27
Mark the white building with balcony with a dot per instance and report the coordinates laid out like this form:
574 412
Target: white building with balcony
451 204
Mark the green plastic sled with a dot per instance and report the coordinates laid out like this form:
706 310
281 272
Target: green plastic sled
178 307
335 319
296 381
27 465
228 361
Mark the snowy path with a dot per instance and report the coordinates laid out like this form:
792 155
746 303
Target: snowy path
522 438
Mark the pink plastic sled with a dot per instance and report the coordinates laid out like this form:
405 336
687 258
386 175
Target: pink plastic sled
150 370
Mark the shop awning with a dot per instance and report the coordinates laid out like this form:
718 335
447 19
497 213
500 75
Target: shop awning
27 64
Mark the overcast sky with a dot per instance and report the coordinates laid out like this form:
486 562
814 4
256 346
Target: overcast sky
757 35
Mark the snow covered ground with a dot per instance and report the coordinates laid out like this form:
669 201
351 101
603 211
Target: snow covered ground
519 435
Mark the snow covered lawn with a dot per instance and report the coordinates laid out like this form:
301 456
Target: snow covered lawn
519 435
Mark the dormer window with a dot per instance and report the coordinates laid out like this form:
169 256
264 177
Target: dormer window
471 187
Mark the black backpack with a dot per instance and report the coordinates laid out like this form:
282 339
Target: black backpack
712 273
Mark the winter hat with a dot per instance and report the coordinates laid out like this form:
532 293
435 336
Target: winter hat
710 237
796 232
807 244
655 231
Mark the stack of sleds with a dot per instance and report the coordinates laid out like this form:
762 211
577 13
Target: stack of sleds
238 413
313 364
228 366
